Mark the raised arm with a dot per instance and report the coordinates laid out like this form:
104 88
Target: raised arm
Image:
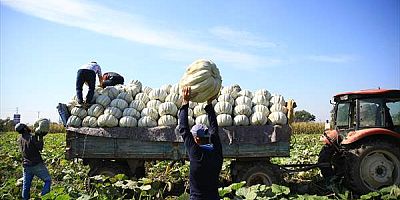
184 129
213 129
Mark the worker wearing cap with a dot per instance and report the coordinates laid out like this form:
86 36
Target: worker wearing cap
111 79
204 149
87 74
31 146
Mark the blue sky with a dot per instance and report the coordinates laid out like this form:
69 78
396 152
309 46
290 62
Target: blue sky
305 50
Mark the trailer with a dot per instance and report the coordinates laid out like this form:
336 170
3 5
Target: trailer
111 151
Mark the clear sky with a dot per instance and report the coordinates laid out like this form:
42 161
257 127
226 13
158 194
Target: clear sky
305 50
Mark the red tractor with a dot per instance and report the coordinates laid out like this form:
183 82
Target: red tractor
364 146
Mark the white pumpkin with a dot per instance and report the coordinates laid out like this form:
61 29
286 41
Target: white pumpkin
167 120
167 108
131 112
120 88
147 121
202 119
95 110
125 96
246 93
166 88
241 120
174 89
263 92
261 108
116 112
231 90
174 98
153 104
199 109
107 120
192 104
278 108
204 79
158 94
278 99
80 112
99 90
71 104
227 98
223 107
142 97
133 90
243 100
224 120
214 102
111 92
242 110
95 95
151 112
74 121
137 104
89 121
277 118
258 118
119 103
146 89
103 100
260 100
127 121
137 83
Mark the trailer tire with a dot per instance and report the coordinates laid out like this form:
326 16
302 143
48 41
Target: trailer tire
255 173
373 164
106 168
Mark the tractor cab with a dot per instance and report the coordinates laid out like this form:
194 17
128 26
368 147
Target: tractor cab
367 112
365 139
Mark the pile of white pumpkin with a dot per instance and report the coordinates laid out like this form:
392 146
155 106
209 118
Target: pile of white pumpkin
132 105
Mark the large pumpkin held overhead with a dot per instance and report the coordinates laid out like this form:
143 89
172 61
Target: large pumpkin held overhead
204 79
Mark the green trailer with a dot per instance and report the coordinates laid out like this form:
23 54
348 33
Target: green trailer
111 151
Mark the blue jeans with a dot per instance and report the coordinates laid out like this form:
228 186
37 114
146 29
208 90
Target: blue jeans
88 76
29 172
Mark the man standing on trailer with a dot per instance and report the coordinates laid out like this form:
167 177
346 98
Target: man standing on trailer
204 149
87 74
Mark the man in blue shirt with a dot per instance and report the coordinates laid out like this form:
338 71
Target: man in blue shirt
204 149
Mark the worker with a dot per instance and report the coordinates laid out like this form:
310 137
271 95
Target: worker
31 146
111 79
204 149
87 74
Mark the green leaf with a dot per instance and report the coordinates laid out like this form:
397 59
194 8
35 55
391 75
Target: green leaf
184 196
236 186
278 189
242 192
223 191
63 197
251 195
84 197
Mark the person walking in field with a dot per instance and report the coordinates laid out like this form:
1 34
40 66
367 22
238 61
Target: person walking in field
111 79
204 149
87 74
33 165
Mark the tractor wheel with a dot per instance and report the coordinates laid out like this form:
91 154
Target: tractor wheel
372 165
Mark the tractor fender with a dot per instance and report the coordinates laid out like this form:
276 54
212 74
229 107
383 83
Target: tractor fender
354 136
332 134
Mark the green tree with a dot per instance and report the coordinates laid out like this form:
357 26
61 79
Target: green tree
6 125
303 116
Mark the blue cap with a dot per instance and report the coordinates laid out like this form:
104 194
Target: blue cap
200 130
20 127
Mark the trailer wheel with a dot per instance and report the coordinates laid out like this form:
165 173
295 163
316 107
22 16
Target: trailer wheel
255 173
106 168
259 175
373 165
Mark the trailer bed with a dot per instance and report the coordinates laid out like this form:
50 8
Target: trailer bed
160 143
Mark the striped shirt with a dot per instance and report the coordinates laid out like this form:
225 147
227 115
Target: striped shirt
92 66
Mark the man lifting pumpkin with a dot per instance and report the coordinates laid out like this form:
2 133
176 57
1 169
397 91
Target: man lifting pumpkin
111 79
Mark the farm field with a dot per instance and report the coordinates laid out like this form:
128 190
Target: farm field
70 177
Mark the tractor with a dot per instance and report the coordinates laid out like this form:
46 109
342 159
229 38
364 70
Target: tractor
363 145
